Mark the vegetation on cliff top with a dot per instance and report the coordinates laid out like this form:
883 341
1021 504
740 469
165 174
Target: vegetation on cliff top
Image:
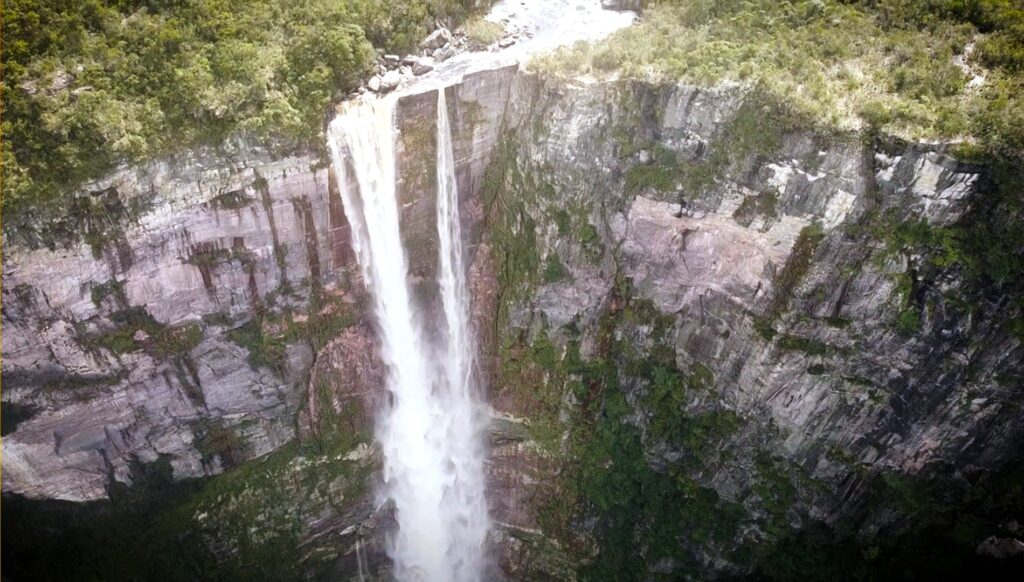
88 84
928 69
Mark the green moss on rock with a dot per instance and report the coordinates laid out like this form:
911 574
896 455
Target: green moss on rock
265 350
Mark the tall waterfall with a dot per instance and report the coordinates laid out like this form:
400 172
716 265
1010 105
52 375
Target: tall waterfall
431 433
468 520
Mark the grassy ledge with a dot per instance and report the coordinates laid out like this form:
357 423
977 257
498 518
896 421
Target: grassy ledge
928 70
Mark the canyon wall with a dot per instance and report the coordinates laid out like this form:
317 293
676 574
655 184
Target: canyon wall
704 298
119 350
680 293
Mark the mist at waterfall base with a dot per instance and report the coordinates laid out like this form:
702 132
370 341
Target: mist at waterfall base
431 433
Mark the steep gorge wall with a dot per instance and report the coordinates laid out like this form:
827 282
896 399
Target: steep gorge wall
705 299
119 349
692 277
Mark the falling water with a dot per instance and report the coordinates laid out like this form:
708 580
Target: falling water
468 508
430 434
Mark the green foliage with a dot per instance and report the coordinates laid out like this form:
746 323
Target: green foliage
533 376
483 31
327 318
265 350
809 346
162 529
774 485
554 270
756 130
340 427
563 222
985 249
215 439
661 173
96 217
171 342
759 126
944 518
763 327
543 352
1002 22
509 193
212 256
653 177
908 322
94 83
888 64
588 235
272 492
837 322
763 205
135 329
796 267
119 341
645 514
113 288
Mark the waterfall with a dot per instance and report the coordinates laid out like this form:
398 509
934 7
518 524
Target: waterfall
431 432
468 519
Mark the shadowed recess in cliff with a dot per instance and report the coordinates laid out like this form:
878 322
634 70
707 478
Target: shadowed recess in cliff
431 432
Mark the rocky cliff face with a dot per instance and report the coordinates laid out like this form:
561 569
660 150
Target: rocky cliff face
706 327
119 347
705 298
208 314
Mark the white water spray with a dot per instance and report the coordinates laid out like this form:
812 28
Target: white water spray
431 435
468 521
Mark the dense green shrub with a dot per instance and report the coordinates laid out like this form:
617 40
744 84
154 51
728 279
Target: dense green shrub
895 65
88 84
265 350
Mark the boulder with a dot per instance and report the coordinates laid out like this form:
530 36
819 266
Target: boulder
634 5
423 65
444 53
374 83
389 81
437 39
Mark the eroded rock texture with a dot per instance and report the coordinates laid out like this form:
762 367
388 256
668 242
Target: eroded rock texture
120 344
681 294
701 278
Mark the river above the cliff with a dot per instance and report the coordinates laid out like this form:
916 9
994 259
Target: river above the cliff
538 26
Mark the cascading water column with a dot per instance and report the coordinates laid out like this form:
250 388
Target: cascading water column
431 434
413 471
468 519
